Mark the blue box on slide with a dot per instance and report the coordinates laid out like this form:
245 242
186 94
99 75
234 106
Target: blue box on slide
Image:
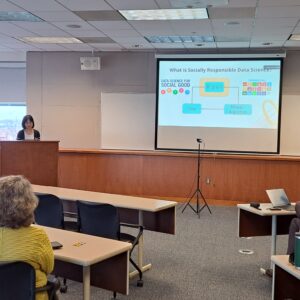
191 108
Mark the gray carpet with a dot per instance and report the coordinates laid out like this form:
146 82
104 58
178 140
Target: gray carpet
200 262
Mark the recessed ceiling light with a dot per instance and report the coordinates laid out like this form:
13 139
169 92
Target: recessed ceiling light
294 37
50 40
74 26
165 14
19 16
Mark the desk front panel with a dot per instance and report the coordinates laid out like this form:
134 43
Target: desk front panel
286 285
251 224
110 274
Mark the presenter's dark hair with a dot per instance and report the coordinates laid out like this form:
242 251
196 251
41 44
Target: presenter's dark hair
27 118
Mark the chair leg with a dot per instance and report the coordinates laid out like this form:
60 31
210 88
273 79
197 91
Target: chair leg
140 282
114 295
64 287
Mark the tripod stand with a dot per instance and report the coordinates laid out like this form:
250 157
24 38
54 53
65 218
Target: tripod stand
197 192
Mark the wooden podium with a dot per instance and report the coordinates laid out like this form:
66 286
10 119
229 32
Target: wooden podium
36 160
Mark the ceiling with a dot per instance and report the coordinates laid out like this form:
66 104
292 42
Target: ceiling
242 24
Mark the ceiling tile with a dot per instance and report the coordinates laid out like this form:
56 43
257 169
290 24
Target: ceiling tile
233 44
10 29
85 4
51 47
57 16
65 26
168 45
39 5
78 47
163 4
137 46
122 33
232 38
225 23
278 12
199 45
267 31
130 40
88 33
242 3
100 15
274 44
7 6
96 40
31 26
132 4
292 44
278 2
276 22
107 47
231 12
157 26
111 25
269 38
188 27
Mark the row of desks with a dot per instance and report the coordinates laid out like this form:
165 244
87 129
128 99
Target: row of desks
107 257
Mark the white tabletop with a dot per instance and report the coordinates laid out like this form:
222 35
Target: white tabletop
122 201
283 262
83 249
265 210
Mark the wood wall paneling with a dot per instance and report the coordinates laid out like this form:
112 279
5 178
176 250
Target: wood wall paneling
38 161
238 178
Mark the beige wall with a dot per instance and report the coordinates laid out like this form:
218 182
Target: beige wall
65 101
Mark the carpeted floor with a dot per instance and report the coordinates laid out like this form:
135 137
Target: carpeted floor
200 262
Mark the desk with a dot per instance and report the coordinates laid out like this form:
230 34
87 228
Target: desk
97 261
286 279
254 222
153 214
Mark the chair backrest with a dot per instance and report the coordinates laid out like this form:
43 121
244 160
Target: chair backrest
98 219
17 281
49 211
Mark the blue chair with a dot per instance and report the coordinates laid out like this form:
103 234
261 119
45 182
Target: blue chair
17 282
50 213
103 220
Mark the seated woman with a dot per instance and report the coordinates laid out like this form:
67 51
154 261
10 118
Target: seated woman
28 133
294 227
19 241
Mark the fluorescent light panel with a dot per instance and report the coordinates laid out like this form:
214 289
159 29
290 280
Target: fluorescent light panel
180 39
19 16
165 14
50 40
295 37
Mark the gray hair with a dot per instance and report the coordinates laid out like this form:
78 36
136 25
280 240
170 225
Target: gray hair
17 202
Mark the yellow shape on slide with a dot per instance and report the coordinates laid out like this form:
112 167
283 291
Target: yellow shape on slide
214 87
270 110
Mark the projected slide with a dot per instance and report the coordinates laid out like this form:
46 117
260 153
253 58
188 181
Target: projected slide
232 104
235 94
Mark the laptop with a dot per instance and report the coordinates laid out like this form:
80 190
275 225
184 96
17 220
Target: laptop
280 200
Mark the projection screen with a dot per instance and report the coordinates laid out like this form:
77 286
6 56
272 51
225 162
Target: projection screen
232 105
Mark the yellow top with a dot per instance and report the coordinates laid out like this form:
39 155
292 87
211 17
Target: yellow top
31 245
